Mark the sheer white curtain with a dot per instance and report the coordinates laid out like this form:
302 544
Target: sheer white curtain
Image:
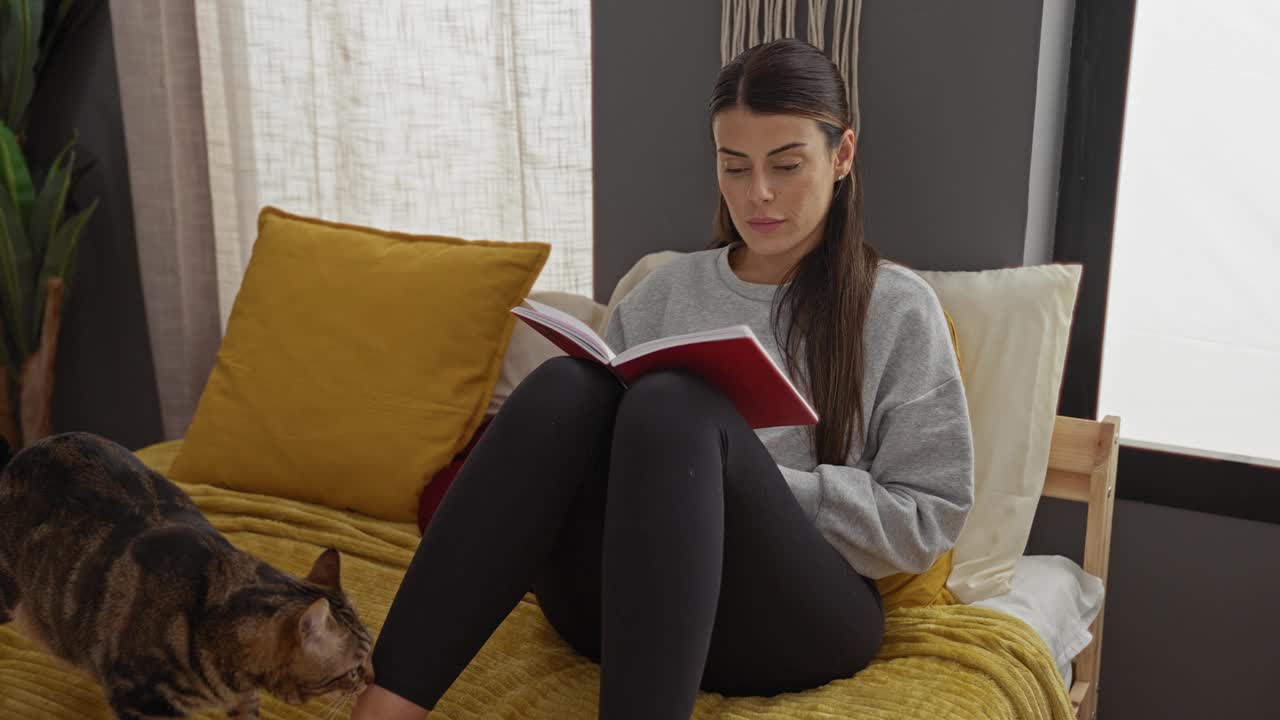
469 118
158 71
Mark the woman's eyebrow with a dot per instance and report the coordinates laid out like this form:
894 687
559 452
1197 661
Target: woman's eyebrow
784 148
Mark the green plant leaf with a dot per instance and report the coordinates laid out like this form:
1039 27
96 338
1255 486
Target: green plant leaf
21 44
15 178
51 35
47 210
50 204
64 7
69 278
15 277
61 21
5 362
58 258
10 50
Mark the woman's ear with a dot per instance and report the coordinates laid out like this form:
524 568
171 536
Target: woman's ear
844 154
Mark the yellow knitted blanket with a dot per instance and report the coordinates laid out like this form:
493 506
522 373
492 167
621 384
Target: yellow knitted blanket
937 663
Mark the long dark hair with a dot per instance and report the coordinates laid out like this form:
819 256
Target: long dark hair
828 291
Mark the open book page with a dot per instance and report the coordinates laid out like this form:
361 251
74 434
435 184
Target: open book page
566 331
647 348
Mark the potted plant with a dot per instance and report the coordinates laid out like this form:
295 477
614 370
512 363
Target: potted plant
39 231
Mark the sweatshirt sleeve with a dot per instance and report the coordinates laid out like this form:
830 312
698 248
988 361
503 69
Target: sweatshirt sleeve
904 502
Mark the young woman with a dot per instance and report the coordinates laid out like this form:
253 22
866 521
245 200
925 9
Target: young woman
665 538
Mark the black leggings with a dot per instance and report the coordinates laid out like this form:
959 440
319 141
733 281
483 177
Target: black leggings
660 537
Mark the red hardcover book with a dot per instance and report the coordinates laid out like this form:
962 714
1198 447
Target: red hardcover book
732 359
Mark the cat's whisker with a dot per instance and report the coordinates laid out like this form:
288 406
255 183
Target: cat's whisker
332 710
338 705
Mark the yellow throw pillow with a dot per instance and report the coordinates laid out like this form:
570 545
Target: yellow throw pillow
356 363
902 590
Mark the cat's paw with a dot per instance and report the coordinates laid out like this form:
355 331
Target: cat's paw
246 709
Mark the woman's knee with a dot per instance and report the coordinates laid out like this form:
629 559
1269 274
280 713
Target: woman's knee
565 388
669 401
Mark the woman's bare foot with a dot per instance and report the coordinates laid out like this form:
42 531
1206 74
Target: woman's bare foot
376 703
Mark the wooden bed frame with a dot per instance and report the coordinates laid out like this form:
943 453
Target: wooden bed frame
1082 468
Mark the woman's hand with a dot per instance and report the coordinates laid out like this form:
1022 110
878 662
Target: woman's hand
376 703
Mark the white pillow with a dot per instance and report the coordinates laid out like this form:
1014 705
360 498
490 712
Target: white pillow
1058 599
1012 326
643 267
527 349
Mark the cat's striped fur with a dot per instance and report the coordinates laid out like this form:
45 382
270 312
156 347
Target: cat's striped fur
112 568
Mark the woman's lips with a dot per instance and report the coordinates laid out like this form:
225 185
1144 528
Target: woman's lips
765 225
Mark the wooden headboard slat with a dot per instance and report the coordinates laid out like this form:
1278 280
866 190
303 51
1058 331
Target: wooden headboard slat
1082 468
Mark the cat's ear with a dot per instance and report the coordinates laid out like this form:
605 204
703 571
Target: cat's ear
327 570
313 621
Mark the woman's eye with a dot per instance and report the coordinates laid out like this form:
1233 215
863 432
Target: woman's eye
788 168
735 171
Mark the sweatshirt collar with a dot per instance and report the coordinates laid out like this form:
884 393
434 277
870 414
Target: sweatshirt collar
752 291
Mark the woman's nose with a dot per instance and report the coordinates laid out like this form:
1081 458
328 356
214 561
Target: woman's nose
760 190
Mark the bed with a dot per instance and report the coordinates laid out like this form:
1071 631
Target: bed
939 659
952 661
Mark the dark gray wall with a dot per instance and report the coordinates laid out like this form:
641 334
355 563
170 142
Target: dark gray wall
653 65
1190 630
962 108
948 97
105 381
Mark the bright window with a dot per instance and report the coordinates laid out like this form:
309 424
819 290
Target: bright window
1191 357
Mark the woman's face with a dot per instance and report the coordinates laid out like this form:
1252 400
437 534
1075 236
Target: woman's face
777 174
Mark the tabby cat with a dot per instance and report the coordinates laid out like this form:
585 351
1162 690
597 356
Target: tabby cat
112 568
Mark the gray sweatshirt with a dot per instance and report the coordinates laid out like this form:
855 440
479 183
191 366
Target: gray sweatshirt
894 505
